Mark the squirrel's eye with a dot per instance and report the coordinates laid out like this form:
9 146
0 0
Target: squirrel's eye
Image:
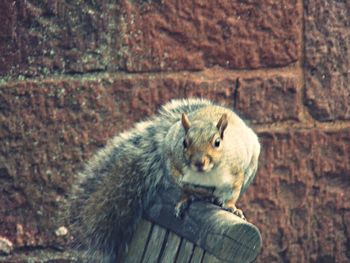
185 144
217 142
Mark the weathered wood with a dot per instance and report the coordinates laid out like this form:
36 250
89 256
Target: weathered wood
208 258
171 248
185 252
221 233
138 242
197 255
154 245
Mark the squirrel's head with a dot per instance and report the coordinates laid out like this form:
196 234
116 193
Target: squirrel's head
203 142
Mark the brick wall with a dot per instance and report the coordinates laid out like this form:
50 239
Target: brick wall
73 73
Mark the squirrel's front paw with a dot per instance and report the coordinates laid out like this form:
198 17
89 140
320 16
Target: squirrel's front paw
237 212
179 212
182 206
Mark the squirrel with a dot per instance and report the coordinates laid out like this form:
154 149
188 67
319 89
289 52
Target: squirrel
197 144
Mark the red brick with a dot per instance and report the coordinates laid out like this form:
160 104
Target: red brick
300 194
47 129
268 99
173 35
44 37
327 52
257 98
80 37
220 90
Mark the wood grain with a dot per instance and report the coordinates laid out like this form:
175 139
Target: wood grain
220 233
154 245
171 248
185 252
138 242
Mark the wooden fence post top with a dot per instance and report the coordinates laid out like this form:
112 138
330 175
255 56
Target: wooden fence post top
220 233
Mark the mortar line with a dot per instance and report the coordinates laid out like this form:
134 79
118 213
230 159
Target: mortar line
209 74
287 126
305 115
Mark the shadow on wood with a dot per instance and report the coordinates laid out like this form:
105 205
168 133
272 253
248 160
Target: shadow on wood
206 233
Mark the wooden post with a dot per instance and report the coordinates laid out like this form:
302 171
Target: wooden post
220 233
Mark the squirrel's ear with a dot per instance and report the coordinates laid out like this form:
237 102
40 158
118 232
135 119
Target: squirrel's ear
222 125
185 121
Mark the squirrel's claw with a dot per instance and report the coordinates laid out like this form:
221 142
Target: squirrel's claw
236 211
179 211
240 214
183 205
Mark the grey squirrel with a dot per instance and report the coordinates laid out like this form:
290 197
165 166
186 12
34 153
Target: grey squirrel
194 142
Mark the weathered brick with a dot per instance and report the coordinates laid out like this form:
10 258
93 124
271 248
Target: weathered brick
268 99
44 37
178 35
327 52
47 129
257 98
300 195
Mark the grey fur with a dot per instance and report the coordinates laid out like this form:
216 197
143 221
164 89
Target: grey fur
121 179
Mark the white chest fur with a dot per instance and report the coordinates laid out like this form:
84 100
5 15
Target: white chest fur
217 177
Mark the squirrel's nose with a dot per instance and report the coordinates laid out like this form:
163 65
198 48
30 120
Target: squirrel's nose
200 162
199 165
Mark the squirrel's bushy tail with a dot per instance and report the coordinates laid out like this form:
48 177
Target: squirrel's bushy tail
110 193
